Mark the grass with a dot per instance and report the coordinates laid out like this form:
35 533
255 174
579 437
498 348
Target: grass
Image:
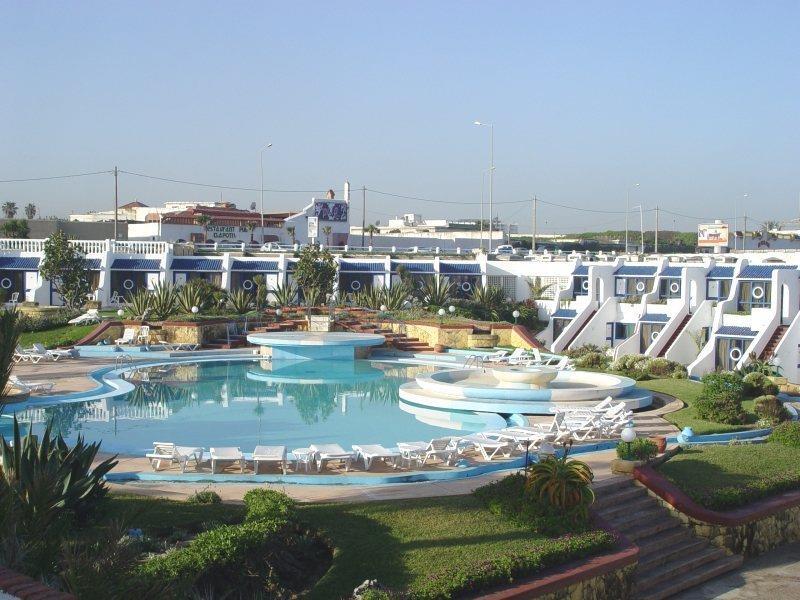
725 477
59 336
688 391
414 545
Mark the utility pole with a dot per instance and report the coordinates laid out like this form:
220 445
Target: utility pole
363 212
744 233
627 212
533 225
641 225
656 243
116 201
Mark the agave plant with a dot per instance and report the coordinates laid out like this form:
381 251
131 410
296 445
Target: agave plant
368 298
163 301
239 301
313 297
395 297
285 294
436 291
564 484
9 336
138 304
489 297
188 296
262 291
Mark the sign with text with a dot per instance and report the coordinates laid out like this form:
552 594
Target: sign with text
712 235
330 211
313 227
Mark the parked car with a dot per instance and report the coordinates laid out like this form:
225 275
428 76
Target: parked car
505 249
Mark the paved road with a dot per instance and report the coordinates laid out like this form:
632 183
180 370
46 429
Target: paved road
774 576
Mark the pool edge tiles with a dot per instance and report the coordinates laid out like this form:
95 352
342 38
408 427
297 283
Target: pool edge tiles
296 345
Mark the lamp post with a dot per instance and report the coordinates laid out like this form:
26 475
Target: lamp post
491 175
515 314
441 316
628 435
641 225
261 155
628 210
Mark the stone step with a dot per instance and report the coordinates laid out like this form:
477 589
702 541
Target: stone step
691 578
655 544
641 531
677 567
637 503
621 496
649 515
663 552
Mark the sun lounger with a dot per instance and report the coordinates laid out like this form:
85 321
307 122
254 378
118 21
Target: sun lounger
326 453
128 337
20 354
172 346
53 355
90 316
369 452
269 454
488 446
226 457
412 451
445 449
170 453
30 386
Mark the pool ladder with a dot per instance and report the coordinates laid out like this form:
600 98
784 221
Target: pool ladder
475 361
121 360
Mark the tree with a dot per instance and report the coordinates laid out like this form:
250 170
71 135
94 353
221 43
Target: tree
15 228
291 231
370 231
771 226
315 272
9 337
9 209
205 222
251 227
538 289
65 266
327 231
30 211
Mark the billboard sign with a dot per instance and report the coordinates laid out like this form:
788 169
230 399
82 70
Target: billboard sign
712 235
330 210
313 228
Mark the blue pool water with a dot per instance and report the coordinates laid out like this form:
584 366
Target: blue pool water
246 403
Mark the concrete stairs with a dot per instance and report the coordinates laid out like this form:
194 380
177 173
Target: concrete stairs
671 557
674 336
581 328
400 341
773 342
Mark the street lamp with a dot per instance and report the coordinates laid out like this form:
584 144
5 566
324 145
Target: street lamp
261 154
491 174
515 314
452 309
628 435
628 210
278 313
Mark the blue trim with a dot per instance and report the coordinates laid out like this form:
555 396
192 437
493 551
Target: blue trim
720 273
136 264
654 318
459 268
19 263
672 272
92 264
196 264
348 266
731 330
636 271
255 266
564 313
762 271
413 267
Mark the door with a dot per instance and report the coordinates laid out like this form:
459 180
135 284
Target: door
31 283
152 280
180 279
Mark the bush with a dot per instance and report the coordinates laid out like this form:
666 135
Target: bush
45 321
758 384
268 504
638 449
204 497
734 496
721 398
593 360
630 362
582 350
771 409
787 433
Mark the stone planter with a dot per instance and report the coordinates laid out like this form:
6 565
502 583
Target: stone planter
320 323
661 442
625 467
482 340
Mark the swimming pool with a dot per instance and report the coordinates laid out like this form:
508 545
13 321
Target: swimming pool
247 403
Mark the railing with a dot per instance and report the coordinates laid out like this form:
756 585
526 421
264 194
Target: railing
138 247
121 360
22 245
91 246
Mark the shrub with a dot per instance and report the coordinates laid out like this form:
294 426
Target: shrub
721 398
734 496
787 433
593 360
638 449
582 350
758 384
268 504
45 321
771 409
204 497
565 485
629 363
658 367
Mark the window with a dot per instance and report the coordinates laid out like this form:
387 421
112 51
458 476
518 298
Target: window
669 288
754 294
558 326
580 285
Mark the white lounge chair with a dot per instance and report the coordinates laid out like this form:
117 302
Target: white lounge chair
128 336
369 452
488 446
226 456
326 453
53 355
90 316
579 428
21 356
412 451
170 453
599 408
117 299
303 457
445 449
492 356
173 346
144 335
30 386
269 454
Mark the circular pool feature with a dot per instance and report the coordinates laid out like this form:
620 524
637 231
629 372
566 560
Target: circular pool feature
482 391
529 376
306 345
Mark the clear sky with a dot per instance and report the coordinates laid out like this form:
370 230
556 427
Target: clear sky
698 102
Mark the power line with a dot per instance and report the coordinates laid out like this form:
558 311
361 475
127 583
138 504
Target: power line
222 187
417 198
55 177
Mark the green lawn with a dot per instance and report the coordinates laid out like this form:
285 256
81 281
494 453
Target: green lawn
431 548
60 336
724 477
688 391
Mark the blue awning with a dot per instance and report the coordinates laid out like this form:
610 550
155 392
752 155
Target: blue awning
564 313
654 318
636 271
19 263
720 273
197 264
136 264
582 270
349 266
255 266
92 264
672 272
413 267
730 330
460 268
761 271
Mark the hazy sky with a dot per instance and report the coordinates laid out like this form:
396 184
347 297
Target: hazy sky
698 102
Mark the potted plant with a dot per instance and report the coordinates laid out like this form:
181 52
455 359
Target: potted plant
660 441
632 452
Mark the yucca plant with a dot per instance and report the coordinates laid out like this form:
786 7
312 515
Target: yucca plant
163 301
9 337
313 297
436 291
565 485
188 296
239 301
368 298
260 297
285 294
137 304
489 297
396 296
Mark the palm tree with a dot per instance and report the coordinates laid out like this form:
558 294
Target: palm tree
370 231
251 227
30 211
10 209
327 231
538 289
291 231
771 226
205 222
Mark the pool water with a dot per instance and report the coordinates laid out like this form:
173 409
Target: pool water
247 403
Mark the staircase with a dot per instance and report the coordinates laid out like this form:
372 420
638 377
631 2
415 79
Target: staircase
400 341
773 342
674 336
671 557
577 333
